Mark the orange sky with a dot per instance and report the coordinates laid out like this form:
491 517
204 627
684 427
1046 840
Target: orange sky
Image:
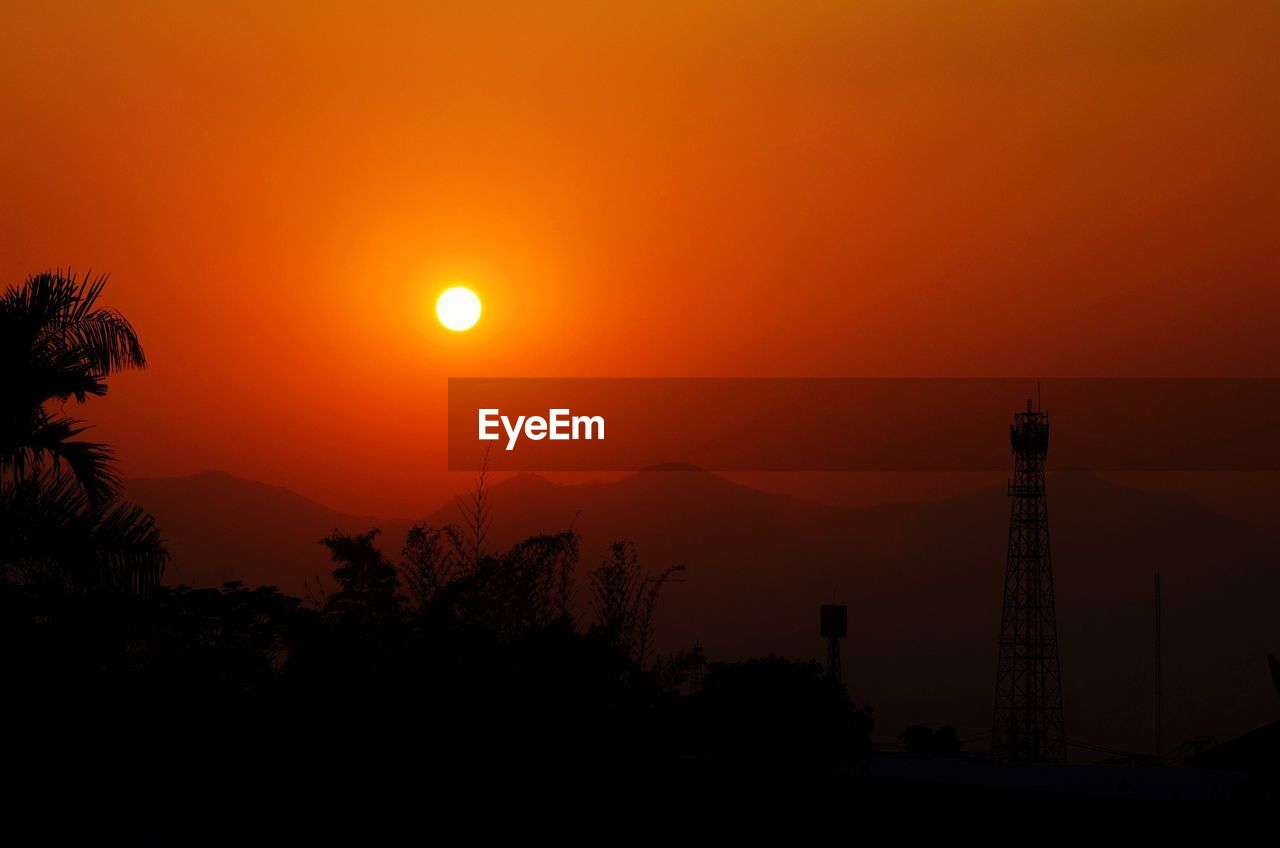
897 188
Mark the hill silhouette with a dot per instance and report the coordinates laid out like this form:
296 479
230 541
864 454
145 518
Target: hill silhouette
922 580
221 528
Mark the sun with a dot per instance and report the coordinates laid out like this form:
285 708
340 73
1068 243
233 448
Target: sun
458 309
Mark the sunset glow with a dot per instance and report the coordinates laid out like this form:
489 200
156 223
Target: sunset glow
747 189
489 423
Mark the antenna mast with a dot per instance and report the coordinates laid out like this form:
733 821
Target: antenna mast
834 626
1027 723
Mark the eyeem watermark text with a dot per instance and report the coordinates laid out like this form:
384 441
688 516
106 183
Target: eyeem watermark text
559 426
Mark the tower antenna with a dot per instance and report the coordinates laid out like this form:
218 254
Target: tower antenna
834 626
1027 722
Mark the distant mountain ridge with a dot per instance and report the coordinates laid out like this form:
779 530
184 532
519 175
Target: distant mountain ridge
923 583
221 528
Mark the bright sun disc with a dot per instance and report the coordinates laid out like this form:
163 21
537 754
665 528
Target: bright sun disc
458 309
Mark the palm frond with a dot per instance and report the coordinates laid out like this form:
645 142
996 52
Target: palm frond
50 530
51 443
63 314
52 375
130 550
106 336
56 342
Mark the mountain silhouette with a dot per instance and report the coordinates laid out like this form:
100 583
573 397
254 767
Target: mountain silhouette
220 528
922 580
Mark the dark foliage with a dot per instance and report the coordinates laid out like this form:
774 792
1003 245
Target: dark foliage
777 709
624 598
478 678
920 739
51 532
369 601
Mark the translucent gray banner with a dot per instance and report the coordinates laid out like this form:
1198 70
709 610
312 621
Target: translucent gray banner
859 424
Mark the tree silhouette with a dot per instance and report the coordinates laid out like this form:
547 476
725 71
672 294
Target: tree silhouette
52 534
369 593
434 558
920 739
449 574
58 518
780 709
474 509
223 643
681 672
508 595
56 343
625 598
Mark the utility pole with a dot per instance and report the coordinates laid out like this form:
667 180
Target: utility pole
1159 671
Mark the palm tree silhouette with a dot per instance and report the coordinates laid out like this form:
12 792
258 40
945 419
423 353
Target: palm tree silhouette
55 344
59 516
